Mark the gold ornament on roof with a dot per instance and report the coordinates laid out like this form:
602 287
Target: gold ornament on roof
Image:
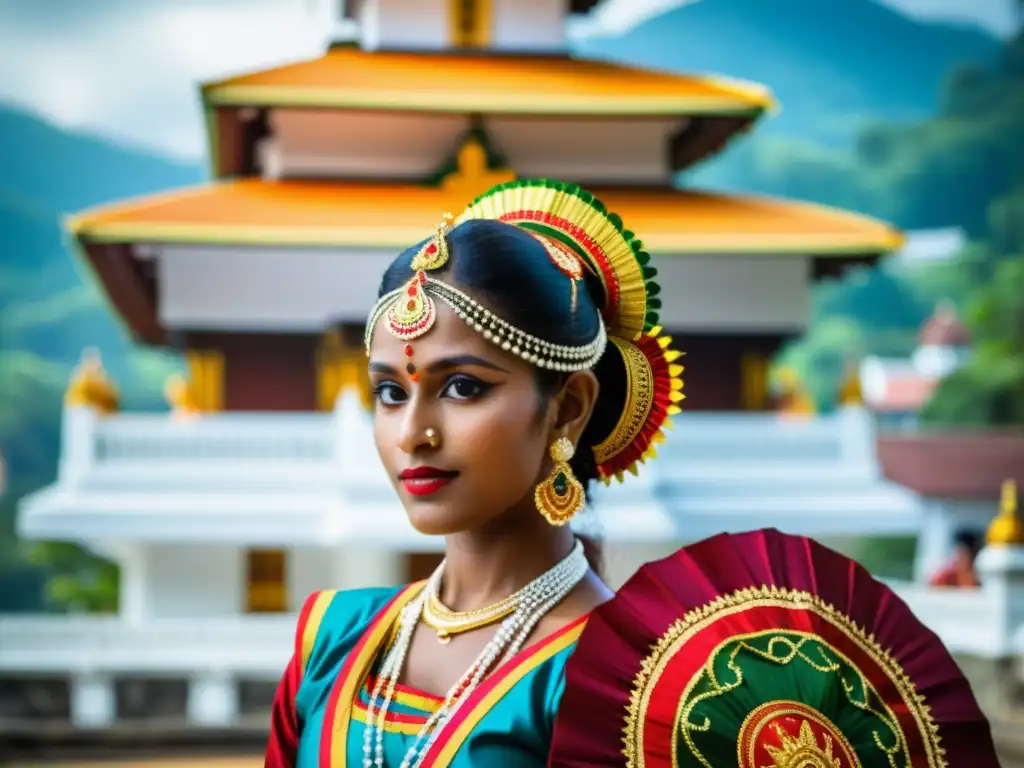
180 396
1007 530
90 387
471 176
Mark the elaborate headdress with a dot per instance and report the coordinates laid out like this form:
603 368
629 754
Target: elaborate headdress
763 650
579 234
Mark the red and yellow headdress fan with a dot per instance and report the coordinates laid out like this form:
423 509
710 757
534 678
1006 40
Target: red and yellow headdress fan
580 234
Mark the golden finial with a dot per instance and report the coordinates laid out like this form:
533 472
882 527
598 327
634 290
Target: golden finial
471 176
180 395
1006 530
90 386
850 392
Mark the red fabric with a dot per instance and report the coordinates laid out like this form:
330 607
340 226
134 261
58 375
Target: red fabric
283 744
953 576
601 673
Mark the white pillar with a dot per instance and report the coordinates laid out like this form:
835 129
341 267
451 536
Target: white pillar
359 567
93 703
857 438
1001 570
134 605
212 700
934 542
78 443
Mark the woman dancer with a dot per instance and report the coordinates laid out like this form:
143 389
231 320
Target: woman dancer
515 358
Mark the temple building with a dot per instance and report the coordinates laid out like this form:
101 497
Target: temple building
263 484
323 169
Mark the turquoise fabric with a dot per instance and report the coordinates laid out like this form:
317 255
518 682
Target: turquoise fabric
514 732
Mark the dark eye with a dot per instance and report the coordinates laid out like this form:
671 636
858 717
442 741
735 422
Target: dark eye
464 388
389 393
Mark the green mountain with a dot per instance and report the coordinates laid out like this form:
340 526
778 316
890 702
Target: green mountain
51 308
832 64
67 171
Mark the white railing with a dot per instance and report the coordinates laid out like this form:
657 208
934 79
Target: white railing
969 621
241 437
255 645
316 436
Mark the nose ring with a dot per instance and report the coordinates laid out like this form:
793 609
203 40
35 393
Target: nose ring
433 438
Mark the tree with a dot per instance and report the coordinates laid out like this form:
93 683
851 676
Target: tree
989 390
964 168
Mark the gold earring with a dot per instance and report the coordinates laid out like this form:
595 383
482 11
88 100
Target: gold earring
560 496
433 438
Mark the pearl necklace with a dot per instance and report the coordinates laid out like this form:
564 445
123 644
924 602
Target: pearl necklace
534 601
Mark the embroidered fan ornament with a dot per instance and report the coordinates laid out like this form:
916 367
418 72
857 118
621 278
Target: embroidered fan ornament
763 650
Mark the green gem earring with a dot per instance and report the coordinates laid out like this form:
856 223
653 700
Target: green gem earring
560 496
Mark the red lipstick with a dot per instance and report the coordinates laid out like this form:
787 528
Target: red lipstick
423 481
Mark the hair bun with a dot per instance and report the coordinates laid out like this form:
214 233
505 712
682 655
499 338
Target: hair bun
575 218
653 392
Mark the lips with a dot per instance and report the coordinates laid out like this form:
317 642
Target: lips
423 481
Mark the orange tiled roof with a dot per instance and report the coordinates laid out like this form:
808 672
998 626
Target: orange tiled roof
489 83
252 211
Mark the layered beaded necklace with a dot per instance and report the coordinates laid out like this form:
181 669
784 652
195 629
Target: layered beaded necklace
531 603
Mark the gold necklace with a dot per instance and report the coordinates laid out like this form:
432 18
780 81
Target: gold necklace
446 622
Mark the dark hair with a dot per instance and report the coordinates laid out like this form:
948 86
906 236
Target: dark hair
968 539
508 270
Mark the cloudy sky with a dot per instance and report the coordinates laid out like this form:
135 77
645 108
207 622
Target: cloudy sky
128 69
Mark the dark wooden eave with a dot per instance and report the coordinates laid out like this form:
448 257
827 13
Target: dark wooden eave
131 288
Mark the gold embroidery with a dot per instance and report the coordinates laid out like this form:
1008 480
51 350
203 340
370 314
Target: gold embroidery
683 629
639 399
859 696
803 751
763 715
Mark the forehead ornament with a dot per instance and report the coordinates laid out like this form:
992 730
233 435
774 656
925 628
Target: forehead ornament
410 312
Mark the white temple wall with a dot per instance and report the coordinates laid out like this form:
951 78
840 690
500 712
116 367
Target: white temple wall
529 25
421 25
704 293
307 143
622 560
316 143
193 581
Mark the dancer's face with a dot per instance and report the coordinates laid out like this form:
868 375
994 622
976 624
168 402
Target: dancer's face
492 427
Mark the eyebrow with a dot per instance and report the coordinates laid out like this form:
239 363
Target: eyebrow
444 364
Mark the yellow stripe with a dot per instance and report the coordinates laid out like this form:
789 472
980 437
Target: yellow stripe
733 243
424 703
316 615
498 102
390 726
342 714
455 741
